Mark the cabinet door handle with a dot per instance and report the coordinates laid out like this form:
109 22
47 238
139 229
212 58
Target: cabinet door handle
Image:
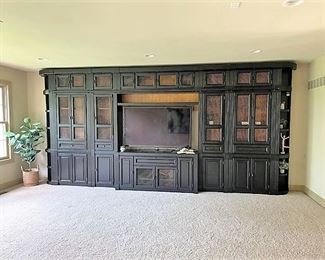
244 123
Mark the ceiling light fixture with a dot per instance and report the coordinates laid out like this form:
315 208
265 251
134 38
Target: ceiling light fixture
42 59
291 3
235 5
151 55
255 51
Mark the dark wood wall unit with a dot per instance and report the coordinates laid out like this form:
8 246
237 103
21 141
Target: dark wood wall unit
244 114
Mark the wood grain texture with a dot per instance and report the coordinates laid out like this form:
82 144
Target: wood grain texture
161 98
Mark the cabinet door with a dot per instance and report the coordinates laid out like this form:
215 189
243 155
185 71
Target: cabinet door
213 120
166 178
241 175
261 107
185 174
243 118
213 175
104 170
80 169
214 79
103 81
78 81
62 81
64 117
65 168
244 78
78 121
263 77
126 172
144 177
260 175
103 118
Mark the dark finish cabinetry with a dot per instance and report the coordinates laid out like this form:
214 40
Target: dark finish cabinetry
251 175
73 168
159 172
243 128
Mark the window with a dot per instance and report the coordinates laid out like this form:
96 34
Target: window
4 122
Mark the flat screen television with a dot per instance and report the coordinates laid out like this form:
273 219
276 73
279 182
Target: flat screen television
148 127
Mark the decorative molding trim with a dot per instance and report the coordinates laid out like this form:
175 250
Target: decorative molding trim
7 186
316 83
314 196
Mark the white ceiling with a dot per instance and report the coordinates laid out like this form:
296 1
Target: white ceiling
112 33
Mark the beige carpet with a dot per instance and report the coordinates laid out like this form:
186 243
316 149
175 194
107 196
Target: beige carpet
61 222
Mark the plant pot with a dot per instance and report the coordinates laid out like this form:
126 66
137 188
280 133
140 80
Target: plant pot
30 178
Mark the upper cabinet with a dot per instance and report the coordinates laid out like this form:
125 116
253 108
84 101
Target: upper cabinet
253 77
214 79
70 81
103 81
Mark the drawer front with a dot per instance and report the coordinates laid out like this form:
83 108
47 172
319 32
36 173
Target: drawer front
209 148
252 149
155 161
72 145
104 146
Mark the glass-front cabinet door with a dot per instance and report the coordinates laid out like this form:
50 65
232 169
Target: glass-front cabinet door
213 118
71 117
103 118
252 118
166 178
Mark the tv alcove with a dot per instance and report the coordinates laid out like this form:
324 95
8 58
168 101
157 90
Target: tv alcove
122 127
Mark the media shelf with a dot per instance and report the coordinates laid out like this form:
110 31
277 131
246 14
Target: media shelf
235 115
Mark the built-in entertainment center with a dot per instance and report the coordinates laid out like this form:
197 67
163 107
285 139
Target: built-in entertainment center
125 127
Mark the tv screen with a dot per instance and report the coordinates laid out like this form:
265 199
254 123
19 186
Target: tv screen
157 126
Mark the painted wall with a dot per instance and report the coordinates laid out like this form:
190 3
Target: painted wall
315 171
36 110
10 172
298 123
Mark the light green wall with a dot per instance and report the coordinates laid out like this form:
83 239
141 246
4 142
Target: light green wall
10 170
315 171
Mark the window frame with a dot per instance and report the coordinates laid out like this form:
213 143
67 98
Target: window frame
6 113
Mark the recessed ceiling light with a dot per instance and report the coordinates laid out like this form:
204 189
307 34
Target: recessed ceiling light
290 3
42 59
151 55
235 5
256 51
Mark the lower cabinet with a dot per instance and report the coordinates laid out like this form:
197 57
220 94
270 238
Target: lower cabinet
73 168
213 173
250 175
147 173
104 170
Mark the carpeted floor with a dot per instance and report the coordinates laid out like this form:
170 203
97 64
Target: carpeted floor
61 222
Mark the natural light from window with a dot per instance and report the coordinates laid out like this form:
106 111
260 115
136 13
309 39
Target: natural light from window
4 122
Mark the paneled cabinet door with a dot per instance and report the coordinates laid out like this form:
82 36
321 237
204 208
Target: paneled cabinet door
185 174
253 78
144 177
241 175
104 170
126 172
71 117
65 168
166 178
213 174
260 175
104 119
252 118
70 81
73 168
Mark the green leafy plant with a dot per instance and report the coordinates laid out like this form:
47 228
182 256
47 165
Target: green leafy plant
25 141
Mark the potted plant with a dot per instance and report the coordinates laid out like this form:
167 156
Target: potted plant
25 144
283 166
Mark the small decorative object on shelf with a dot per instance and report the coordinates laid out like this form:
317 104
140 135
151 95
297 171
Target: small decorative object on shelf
122 148
288 94
283 123
284 138
283 166
283 105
